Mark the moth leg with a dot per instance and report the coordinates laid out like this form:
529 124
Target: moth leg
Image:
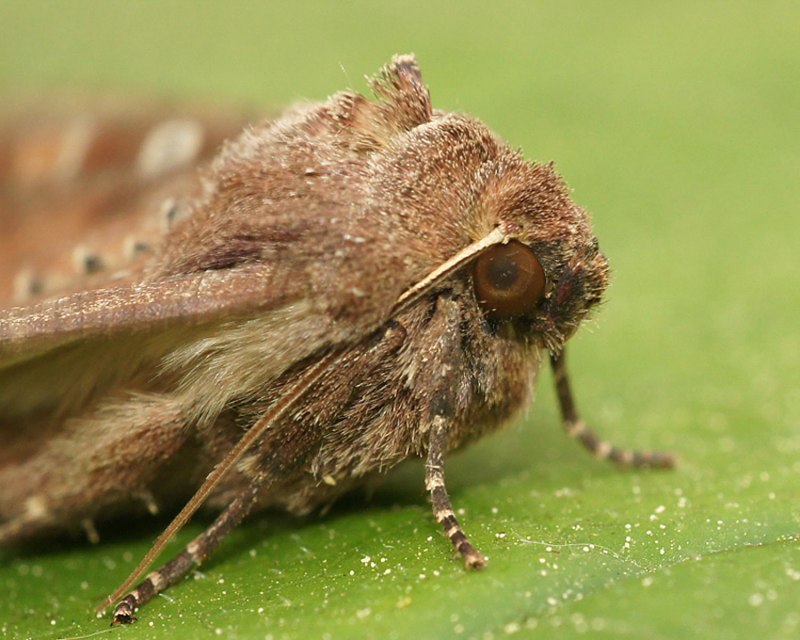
601 449
442 508
441 382
193 554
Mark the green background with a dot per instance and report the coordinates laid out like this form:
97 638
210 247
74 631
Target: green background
677 125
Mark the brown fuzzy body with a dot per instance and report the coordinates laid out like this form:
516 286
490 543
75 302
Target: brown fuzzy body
200 296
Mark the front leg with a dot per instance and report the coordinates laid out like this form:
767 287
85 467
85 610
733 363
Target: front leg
442 508
601 449
443 380
193 555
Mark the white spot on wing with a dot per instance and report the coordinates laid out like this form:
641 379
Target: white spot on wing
75 144
170 145
171 212
36 508
132 247
85 261
26 285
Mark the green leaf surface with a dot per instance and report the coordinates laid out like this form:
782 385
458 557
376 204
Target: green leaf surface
677 126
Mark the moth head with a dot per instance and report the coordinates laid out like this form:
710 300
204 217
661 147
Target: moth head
534 269
459 181
549 274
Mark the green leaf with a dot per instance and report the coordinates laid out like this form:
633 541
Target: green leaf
677 126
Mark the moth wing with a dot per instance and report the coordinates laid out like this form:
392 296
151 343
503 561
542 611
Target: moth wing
188 300
85 190
85 187
220 333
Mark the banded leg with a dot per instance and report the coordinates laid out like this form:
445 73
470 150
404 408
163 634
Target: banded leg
599 448
442 508
194 554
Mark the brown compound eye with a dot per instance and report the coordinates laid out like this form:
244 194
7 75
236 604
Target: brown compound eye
509 281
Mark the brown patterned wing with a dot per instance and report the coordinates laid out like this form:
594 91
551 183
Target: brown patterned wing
84 192
84 195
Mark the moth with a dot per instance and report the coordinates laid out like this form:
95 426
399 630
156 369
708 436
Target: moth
272 322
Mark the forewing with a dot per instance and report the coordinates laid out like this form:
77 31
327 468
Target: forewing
140 307
86 191
85 196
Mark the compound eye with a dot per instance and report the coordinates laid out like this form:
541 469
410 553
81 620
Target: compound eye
508 280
